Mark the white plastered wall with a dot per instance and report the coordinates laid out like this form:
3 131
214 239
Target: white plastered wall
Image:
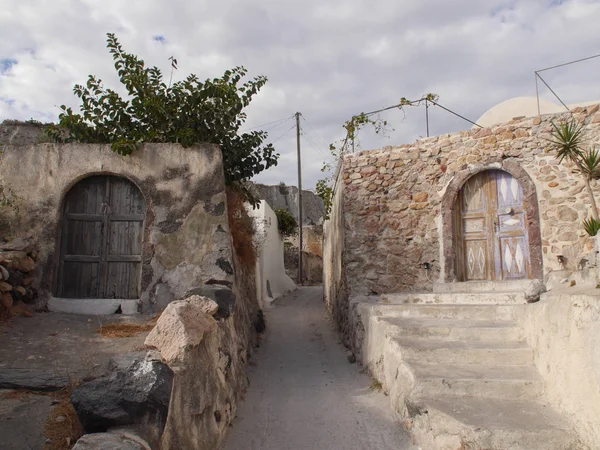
271 279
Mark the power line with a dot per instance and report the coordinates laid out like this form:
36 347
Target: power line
316 147
293 126
278 122
314 130
568 63
455 113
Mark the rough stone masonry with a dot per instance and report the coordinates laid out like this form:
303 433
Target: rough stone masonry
397 201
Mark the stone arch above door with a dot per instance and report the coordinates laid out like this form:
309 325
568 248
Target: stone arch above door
448 206
101 239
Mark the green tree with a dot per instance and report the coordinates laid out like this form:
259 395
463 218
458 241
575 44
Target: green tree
187 112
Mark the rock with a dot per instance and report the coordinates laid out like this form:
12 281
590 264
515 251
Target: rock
17 260
32 379
114 439
420 197
5 287
15 277
21 290
18 245
180 327
567 214
221 294
162 296
136 390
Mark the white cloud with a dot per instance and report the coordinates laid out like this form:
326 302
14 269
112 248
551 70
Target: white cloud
329 60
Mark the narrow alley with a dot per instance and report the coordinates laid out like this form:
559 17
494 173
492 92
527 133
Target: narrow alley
304 394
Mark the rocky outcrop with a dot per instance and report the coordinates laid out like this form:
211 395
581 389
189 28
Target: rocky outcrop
286 197
136 390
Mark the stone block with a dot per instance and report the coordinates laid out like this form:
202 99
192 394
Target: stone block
222 295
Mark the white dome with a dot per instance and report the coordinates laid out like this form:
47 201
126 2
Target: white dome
517 107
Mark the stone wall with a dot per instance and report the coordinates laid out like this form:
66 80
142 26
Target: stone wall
334 286
398 201
186 237
564 330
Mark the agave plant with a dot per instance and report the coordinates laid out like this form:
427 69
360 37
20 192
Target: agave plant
591 226
567 139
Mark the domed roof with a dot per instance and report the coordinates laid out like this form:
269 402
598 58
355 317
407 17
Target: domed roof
517 107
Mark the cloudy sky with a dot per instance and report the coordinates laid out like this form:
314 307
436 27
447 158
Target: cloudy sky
328 59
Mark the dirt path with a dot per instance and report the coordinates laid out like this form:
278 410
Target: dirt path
304 395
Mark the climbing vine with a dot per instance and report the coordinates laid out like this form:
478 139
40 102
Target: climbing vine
324 187
286 223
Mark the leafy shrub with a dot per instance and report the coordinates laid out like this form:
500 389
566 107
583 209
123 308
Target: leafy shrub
286 223
187 112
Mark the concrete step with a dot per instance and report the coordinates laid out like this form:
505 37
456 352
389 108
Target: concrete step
487 286
468 298
461 352
491 424
495 381
484 312
454 329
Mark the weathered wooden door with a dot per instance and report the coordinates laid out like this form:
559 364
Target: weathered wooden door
102 234
492 242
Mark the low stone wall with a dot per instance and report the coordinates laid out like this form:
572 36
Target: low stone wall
186 233
564 330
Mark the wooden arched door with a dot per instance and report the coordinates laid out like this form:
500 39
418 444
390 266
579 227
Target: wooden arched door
101 241
490 226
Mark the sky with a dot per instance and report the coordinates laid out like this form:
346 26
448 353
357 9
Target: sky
328 60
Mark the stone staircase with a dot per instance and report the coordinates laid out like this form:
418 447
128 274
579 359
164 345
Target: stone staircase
457 368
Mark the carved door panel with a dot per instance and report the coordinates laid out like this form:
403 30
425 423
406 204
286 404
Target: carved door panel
102 235
512 246
492 236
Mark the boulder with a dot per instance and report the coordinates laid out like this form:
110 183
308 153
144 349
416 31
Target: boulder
4 273
221 294
136 390
114 439
17 260
181 326
5 287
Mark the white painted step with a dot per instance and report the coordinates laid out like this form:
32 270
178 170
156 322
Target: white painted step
494 424
485 312
461 352
469 298
475 380
454 329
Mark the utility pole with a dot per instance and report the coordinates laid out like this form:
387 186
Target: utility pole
300 277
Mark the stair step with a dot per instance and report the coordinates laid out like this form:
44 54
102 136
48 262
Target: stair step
457 311
487 286
496 381
468 298
497 424
461 352
454 329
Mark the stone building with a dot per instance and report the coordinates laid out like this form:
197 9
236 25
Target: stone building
118 233
401 208
433 255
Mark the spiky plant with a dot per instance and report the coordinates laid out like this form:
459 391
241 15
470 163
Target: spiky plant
591 226
568 139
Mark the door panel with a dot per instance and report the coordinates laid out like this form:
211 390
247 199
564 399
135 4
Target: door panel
102 237
492 239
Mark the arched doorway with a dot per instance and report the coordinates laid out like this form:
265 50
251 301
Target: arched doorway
101 240
491 229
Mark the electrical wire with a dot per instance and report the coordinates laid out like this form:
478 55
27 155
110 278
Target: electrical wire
278 122
293 126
